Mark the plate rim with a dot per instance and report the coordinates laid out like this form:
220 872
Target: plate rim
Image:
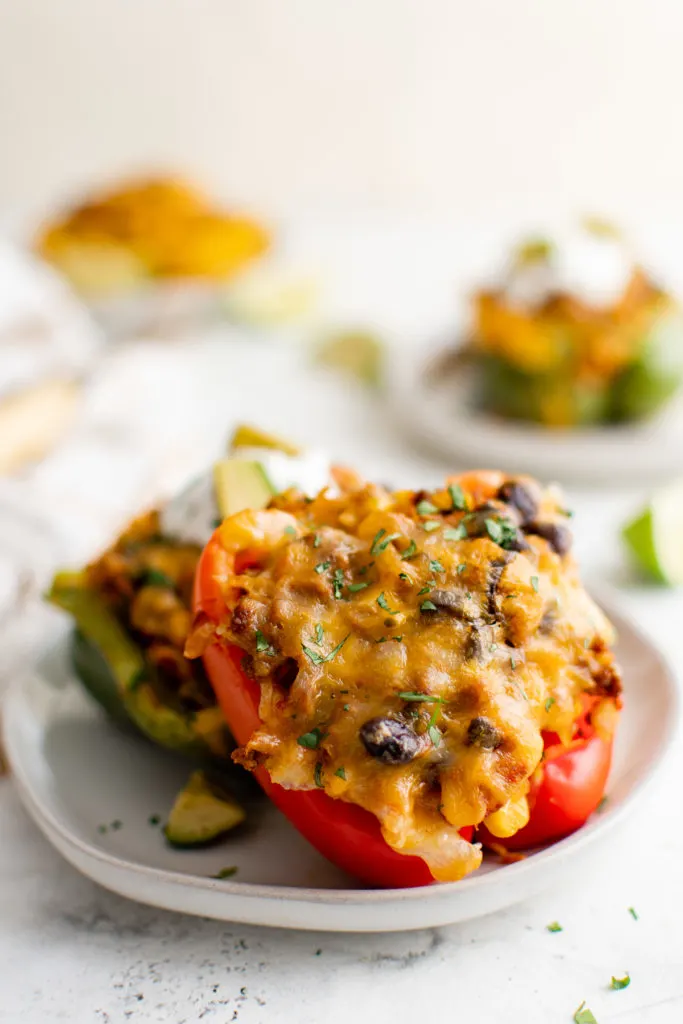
53 828
410 398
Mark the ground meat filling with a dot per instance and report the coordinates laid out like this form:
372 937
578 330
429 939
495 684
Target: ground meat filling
407 648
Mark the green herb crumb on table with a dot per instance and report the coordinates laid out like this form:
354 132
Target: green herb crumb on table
225 873
584 1015
618 983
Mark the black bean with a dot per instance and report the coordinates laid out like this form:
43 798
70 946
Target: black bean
389 740
549 621
521 497
494 574
517 543
285 674
454 602
475 645
558 535
482 733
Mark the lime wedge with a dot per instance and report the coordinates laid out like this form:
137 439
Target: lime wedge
655 537
357 354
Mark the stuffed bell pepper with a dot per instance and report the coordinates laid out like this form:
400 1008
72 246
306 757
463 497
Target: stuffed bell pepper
410 675
576 332
132 609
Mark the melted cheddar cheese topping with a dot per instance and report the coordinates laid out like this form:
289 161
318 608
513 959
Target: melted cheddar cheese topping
411 648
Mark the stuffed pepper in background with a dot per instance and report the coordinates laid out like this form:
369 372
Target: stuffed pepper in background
576 333
161 229
402 668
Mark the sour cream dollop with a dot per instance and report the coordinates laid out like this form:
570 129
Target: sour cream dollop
595 266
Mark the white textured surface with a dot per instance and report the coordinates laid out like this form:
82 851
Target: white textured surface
69 951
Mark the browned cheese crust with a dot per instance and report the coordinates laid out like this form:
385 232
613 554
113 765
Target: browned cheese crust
411 648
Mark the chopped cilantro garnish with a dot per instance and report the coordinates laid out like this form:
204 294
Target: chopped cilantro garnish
382 640
549 703
262 645
383 545
619 983
458 532
225 873
378 537
355 587
431 525
434 735
501 531
534 583
290 531
404 576
513 663
398 639
347 707
157 578
311 739
318 775
461 568
319 634
382 602
101 829
428 606
457 497
566 512
583 1015
410 551
116 825
316 540
435 566
554 926
340 772
322 567
154 819
423 698
633 914
319 659
427 587
425 508
337 583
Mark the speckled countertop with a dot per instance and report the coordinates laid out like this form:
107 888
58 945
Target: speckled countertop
70 951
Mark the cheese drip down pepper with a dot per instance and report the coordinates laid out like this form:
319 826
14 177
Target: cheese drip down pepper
393 665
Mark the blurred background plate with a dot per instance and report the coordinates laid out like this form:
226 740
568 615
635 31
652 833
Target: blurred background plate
431 394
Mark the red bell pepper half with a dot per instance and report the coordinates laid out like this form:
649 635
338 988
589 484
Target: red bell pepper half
568 788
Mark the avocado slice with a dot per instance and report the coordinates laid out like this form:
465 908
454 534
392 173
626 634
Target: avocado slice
241 484
202 812
246 436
